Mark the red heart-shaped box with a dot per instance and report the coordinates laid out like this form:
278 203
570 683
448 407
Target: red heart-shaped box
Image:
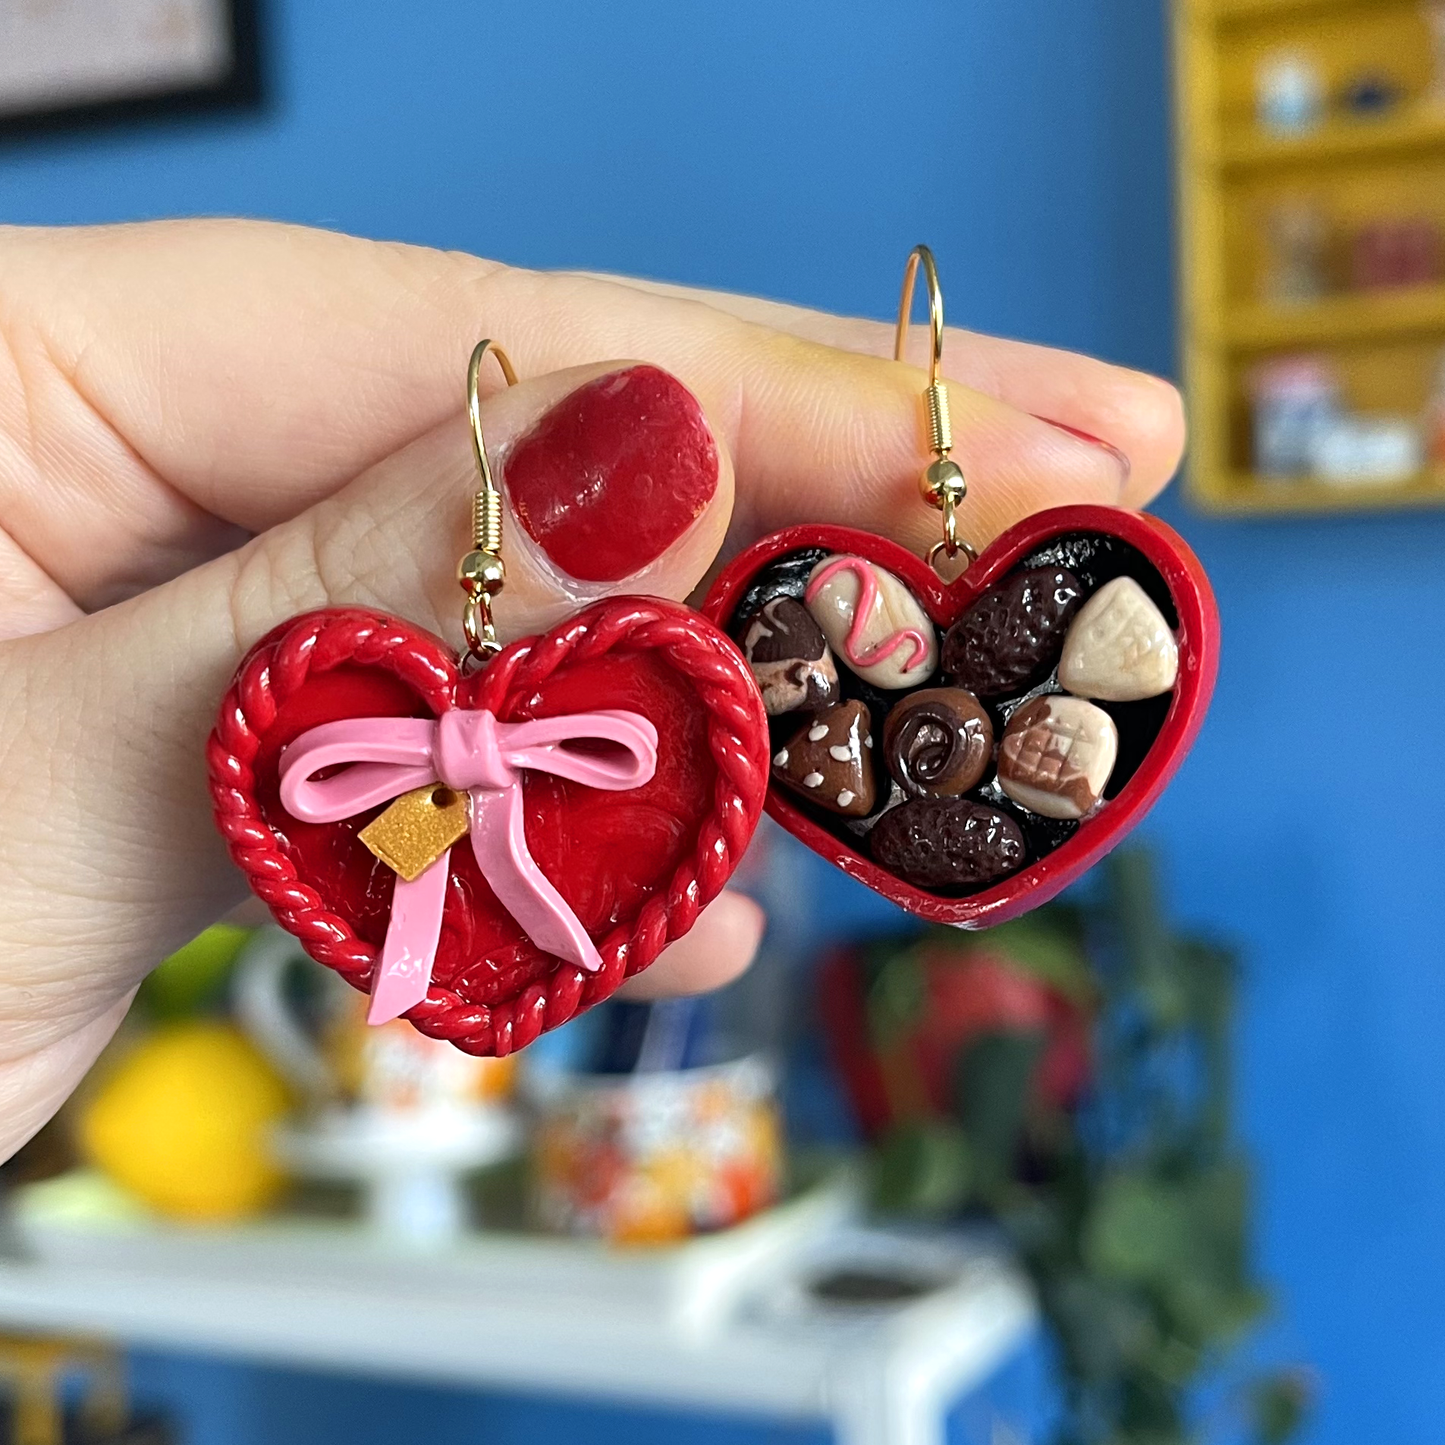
636 867
1197 633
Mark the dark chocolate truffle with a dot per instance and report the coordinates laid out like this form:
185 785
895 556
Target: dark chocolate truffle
1010 638
829 761
789 657
938 742
947 843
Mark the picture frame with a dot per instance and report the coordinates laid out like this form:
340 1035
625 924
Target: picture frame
80 64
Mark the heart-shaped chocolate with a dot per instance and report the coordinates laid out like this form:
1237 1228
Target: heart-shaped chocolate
1085 639
635 867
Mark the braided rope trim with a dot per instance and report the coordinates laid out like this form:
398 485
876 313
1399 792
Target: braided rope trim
318 641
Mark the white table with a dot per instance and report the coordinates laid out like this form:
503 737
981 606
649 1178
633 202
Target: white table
723 1323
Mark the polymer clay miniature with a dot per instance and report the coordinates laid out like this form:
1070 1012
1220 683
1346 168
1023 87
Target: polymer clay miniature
1029 703
488 844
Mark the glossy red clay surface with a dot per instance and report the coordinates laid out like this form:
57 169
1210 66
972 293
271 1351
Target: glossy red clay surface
614 474
636 867
1198 635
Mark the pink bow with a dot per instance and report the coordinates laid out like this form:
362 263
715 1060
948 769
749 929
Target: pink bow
469 752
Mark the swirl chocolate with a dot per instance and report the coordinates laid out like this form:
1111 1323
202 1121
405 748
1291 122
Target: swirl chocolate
938 743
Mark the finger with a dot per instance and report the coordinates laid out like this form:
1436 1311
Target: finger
1132 413
105 761
719 949
29 600
38 1077
177 382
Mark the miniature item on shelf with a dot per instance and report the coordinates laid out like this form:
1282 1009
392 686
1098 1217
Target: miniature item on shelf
1369 449
1296 234
1433 420
1405 252
1435 18
1290 93
996 728
556 811
1294 399
1372 94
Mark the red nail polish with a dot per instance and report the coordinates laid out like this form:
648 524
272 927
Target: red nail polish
1119 456
614 474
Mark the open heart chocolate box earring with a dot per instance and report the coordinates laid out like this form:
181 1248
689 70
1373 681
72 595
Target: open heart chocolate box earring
968 748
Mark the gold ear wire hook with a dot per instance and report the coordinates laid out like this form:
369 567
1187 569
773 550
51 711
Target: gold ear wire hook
943 485
481 572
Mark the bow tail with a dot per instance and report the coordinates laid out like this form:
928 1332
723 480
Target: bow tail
403 974
500 844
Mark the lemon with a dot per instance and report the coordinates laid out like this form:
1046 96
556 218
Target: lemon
183 1122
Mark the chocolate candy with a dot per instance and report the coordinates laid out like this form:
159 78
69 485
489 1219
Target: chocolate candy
873 622
829 761
789 657
1010 638
1119 647
947 843
1056 756
938 742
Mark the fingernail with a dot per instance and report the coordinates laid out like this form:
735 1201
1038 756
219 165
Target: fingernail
614 474
1121 457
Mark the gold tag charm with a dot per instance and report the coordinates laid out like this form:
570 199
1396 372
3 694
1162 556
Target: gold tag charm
418 828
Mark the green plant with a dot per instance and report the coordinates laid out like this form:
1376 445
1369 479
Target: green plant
1123 1192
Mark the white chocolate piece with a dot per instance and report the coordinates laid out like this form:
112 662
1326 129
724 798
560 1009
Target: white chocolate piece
1119 647
892 644
1056 756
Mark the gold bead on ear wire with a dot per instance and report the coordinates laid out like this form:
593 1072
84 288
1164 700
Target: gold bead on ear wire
943 485
481 572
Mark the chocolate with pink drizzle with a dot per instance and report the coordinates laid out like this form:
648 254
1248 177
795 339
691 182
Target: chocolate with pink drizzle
873 622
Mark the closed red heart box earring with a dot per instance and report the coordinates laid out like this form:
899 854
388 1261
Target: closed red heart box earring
492 844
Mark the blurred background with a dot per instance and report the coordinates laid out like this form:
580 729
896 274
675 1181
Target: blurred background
1282 243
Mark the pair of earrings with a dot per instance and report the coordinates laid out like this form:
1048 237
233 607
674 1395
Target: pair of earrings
492 843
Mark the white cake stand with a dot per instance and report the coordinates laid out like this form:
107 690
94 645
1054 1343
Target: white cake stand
411 1166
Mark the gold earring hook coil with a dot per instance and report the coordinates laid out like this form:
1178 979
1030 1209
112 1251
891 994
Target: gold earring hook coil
481 572
943 485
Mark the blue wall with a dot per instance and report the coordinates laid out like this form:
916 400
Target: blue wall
798 150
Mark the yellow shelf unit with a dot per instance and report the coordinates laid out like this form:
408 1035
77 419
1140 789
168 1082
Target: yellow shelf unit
1420 127
1231 11
1386 344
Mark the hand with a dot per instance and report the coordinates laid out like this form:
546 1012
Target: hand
206 427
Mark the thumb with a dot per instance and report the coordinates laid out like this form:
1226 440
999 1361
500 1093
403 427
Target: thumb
615 481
